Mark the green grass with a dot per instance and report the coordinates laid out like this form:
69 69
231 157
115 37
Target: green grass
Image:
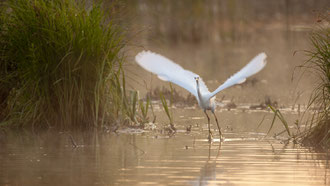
317 130
144 108
167 108
61 65
319 64
278 114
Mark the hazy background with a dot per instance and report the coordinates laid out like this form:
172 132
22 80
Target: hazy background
216 38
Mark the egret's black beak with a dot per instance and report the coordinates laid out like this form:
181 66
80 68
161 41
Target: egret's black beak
197 78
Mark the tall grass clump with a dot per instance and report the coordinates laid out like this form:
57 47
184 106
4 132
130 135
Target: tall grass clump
60 64
317 129
319 63
168 108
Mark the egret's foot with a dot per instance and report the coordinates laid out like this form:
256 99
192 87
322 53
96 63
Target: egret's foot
222 139
210 137
221 136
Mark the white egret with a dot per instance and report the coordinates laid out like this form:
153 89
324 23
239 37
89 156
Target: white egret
167 70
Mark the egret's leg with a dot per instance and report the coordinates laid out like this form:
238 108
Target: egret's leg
208 123
216 120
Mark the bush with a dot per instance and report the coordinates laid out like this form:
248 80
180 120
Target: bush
60 64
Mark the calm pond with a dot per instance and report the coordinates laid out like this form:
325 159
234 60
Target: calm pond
150 157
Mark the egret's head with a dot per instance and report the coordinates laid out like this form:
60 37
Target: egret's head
197 79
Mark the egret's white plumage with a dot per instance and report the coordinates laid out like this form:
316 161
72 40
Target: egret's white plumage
253 67
167 70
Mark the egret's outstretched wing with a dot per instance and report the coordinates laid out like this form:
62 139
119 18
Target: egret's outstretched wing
167 70
253 67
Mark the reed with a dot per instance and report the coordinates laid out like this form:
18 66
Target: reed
278 114
60 64
167 108
319 64
144 108
317 130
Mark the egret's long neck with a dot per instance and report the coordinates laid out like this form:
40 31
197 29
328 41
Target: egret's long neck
198 91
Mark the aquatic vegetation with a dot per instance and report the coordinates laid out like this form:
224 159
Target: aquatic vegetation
167 110
319 64
278 114
61 64
144 108
317 130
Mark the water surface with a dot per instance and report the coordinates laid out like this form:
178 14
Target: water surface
247 156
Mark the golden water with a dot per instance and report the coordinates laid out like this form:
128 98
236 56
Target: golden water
143 157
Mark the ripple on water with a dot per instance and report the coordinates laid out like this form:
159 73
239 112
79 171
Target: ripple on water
248 161
140 159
